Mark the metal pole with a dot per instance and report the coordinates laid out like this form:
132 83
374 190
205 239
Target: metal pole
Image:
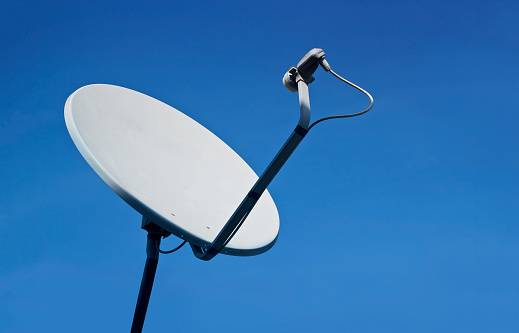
152 252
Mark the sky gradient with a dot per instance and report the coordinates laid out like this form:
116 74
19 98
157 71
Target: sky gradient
405 219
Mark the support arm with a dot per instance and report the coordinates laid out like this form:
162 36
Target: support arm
248 203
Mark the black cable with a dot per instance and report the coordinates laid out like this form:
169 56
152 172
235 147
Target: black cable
171 251
346 115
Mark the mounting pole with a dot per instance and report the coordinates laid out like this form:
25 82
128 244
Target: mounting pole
152 252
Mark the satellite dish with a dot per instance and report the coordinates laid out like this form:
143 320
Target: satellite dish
181 177
168 167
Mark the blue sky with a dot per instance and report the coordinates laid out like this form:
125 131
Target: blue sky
403 220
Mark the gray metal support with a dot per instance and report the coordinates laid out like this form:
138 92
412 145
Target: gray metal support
248 203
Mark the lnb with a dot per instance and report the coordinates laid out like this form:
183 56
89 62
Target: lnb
305 68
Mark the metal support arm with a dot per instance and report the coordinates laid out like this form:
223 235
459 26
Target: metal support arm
248 203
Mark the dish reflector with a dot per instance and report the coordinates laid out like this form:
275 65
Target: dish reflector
168 167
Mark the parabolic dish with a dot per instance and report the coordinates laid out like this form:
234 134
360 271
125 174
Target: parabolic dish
168 167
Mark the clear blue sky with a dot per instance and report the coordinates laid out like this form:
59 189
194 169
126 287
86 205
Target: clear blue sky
403 220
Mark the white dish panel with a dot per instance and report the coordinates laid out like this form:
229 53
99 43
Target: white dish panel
168 167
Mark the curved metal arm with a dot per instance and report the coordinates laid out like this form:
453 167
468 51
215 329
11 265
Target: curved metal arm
296 79
248 203
304 103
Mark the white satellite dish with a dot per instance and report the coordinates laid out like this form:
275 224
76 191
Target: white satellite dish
168 167
182 178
